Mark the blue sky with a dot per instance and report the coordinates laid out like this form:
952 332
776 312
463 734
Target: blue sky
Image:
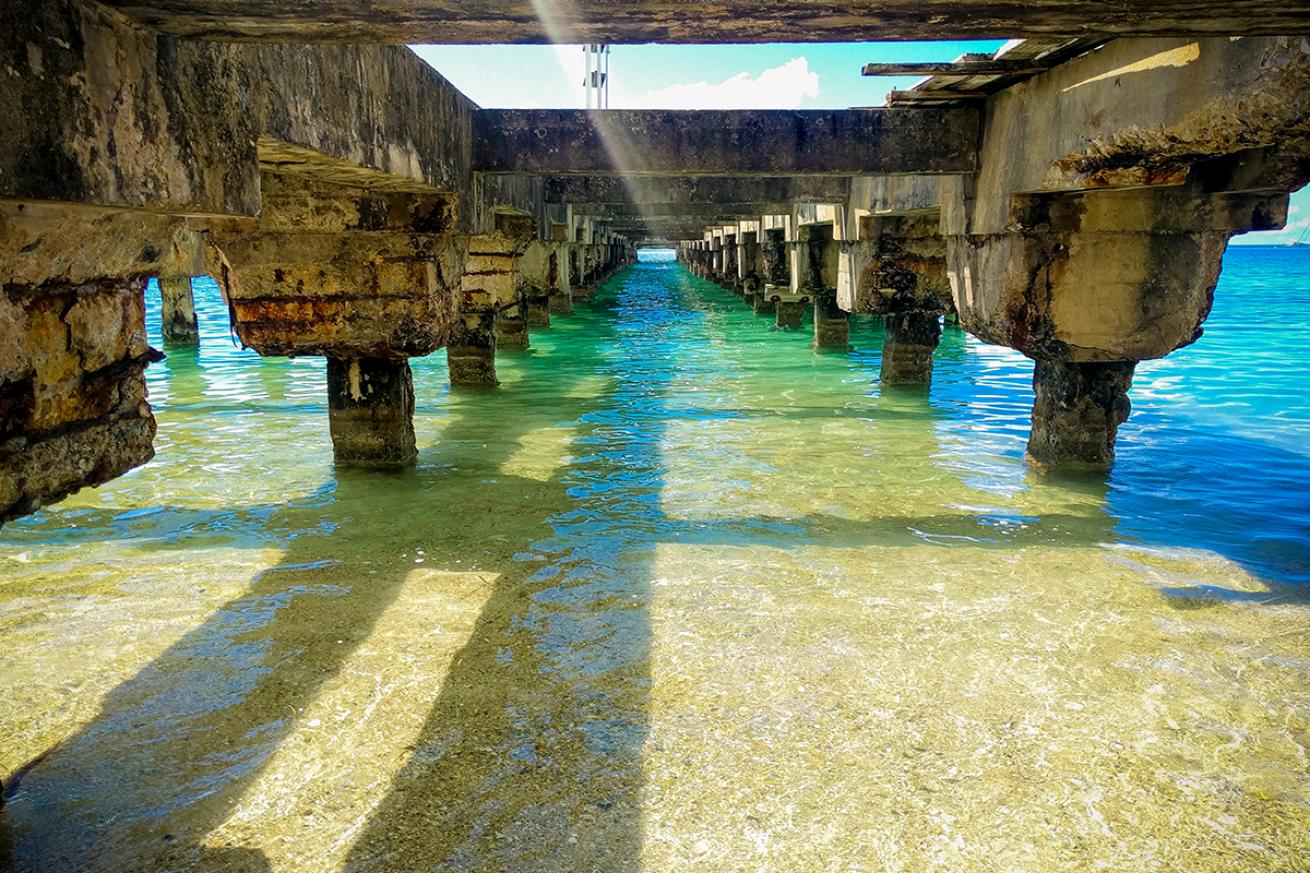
775 76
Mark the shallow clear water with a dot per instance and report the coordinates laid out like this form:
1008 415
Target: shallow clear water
680 593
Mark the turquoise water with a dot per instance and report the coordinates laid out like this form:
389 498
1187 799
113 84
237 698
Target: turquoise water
680 593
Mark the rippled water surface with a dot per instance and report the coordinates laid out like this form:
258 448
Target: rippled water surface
681 594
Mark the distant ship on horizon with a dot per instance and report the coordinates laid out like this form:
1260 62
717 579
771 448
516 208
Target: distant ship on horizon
1302 240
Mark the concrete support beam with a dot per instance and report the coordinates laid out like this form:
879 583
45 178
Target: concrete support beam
471 350
341 271
73 352
371 411
630 142
790 314
512 325
1095 243
535 282
73 408
687 191
99 112
178 313
715 21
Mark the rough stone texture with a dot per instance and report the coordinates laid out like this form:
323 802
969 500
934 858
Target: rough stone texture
73 408
88 117
100 112
903 266
178 312
1077 413
1102 276
371 411
471 352
1123 275
341 271
773 251
538 306
909 339
43 243
631 142
534 269
714 21
349 294
512 326
790 314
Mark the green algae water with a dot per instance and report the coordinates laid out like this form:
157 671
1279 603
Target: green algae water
680 594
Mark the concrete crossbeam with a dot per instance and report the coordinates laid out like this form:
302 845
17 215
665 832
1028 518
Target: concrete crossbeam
714 21
726 143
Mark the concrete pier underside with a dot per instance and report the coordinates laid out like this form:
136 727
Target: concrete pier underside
1078 213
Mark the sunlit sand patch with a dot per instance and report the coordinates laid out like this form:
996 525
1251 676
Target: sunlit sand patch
934 708
95 629
541 453
584 387
327 777
792 474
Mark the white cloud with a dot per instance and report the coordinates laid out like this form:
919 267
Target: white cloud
783 87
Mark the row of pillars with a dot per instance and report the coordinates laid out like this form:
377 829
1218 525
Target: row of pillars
371 398
760 265
1078 406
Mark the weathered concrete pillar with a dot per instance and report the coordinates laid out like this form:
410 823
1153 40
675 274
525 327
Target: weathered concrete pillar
773 250
178 313
371 411
1077 412
1105 277
910 338
832 324
576 288
817 270
534 281
538 303
559 292
471 350
898 270
777 270
488 285
730 278
750 289
73 351
790 314
512 325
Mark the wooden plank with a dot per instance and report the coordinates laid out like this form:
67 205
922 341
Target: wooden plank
994 67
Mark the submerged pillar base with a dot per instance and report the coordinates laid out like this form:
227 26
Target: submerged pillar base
371 411
790 314
909 340
832 324
471 352
178 312
538 311
1077 413
560 301
512 329
764 305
